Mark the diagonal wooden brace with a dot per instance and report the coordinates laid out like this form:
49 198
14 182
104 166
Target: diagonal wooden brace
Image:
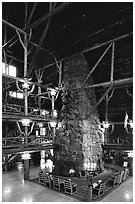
91 71
100 100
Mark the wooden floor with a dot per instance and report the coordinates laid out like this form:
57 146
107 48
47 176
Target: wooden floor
15 189
123 193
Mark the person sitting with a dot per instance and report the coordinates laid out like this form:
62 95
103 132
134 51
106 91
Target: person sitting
49 166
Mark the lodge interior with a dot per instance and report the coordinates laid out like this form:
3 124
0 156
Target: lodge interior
67 94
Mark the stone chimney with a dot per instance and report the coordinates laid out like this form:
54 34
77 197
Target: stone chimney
78 138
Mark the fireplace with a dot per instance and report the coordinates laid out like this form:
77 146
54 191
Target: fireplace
79 139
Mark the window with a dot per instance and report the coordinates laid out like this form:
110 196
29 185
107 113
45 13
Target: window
15 94
10 70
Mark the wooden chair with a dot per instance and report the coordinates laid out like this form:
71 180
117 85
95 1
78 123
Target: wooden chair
126 174
56 183
47 181
69 187
82 174
41 178
114 181
89 179
99 190
121 176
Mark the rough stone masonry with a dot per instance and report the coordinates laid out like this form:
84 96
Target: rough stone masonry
79 137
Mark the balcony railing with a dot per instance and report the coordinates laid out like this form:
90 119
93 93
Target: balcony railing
32 140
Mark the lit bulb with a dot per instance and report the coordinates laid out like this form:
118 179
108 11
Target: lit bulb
54 113
25 85
105 124
53 92
53 123
25 122
26 156
131 123
40 125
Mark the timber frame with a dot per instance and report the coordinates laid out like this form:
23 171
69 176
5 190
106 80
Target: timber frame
108 86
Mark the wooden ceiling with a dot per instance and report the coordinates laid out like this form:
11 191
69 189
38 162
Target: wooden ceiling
78 27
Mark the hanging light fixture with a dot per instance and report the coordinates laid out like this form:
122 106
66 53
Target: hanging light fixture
130 153
130 123
40 125
54 114
53 92
59 125
26 156
25 85
53 123
105 124
25 122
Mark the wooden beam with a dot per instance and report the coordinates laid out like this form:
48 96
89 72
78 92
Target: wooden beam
116 84
91 71
40 42
108 42
11 138
17 117
14 58
92 48
118 147
113 83
112 62
86 50
14 78
117 87
32 12
101 99
13 26
16 40
49 14
30 149
22 80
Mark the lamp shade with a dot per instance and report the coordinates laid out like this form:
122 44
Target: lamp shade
71 171
54 114
59 124
25 122
130 123
26 156
40 125
130 154
53 123
53 92
105 124
25 85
